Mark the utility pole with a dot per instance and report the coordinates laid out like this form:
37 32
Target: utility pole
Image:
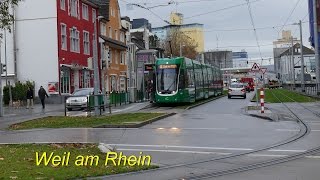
1 89
316 44
293 65
302 60
96 69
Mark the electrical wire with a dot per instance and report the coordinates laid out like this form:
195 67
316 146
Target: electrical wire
294 8
222 9
254 28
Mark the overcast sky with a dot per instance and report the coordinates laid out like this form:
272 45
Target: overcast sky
266 13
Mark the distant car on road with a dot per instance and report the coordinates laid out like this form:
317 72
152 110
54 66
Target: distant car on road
79 99
237 89
249 81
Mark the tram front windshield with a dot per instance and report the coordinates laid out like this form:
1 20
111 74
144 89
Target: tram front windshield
167 78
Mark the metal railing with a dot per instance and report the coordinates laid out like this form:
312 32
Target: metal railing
310 89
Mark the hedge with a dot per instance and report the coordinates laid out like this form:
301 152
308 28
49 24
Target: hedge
19 91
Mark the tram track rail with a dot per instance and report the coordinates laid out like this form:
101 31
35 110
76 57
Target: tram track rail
304 130
273 161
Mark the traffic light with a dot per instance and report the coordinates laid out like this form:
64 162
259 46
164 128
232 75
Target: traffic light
3 68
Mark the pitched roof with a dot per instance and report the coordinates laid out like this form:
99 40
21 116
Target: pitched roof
306 50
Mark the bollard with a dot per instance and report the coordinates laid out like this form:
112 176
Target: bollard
262 100
65 106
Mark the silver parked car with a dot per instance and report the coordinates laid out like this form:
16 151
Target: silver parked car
237 89
79 99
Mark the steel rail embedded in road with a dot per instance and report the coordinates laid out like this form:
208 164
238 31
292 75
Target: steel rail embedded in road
304 130
269 162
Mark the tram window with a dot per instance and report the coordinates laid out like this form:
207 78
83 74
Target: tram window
190 79
181 79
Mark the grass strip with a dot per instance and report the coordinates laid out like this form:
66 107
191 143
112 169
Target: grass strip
85 122
19 162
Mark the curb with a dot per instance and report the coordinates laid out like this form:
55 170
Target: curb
261 117
204 102
138 125
274 117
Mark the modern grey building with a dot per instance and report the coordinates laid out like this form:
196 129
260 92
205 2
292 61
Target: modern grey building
220 58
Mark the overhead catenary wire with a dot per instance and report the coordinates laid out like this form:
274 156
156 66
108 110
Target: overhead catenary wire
255 30
222 9
291 12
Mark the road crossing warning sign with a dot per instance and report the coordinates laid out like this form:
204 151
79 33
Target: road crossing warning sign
255 67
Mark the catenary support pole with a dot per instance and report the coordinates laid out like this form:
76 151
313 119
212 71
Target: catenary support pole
293 65
316 44
302 59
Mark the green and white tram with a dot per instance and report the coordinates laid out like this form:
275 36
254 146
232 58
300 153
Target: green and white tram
182 80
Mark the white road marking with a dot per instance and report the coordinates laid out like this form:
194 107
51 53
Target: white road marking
313 157
266 155
173 151
283 150
168 128
182 147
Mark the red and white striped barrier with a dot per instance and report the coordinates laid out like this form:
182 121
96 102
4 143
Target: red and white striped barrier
262 100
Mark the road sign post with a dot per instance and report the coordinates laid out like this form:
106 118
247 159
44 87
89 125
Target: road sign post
263 70
255 68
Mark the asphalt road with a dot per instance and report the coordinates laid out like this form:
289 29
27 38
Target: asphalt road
217 129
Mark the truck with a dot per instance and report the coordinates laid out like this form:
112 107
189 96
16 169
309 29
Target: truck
249 82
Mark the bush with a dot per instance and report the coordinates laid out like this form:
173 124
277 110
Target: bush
19 91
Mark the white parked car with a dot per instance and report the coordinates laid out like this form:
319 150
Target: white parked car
79 99
237 89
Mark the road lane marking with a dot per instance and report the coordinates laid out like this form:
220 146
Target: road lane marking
313 157
266 155
168 128
182 147
173 151
284 150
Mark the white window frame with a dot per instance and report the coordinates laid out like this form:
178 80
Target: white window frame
63 5
64 41
85 12
116 35
116 57
94 15
103 29
110 32
74 40
74 8
122 57
86 42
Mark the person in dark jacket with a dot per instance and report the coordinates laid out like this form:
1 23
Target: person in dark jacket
42 95
30 98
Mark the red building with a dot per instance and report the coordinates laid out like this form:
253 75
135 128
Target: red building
76 20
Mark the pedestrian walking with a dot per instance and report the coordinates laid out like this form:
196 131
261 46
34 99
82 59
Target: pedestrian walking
30 98
150 90
42 95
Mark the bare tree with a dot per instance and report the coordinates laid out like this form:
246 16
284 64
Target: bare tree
177 38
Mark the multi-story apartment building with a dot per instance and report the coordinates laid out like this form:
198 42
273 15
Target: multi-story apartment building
113 46
52 44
